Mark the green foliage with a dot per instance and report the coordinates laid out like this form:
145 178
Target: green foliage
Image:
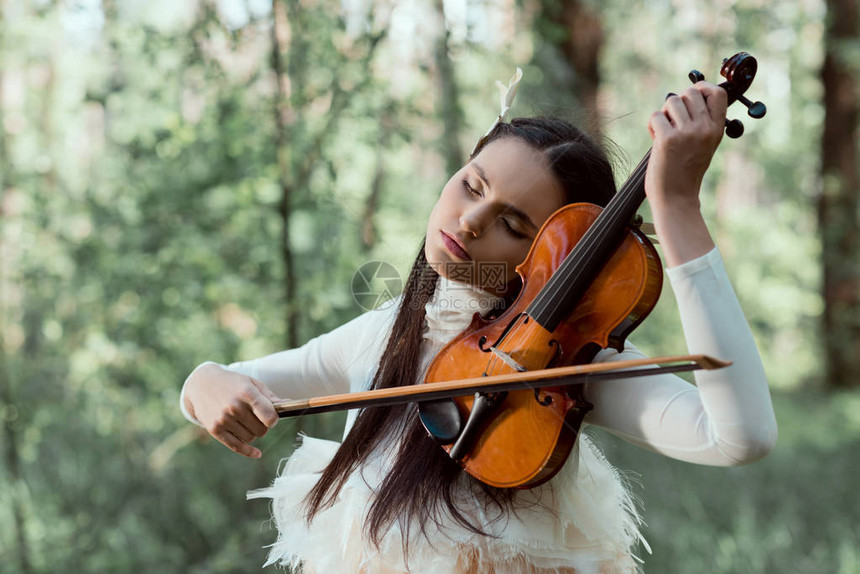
140 235
795 511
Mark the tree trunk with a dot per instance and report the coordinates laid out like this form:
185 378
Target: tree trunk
838 204
449 98
10 423
575 30
368 229
295 167
283 110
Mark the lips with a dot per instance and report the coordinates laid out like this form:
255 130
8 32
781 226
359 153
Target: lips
455 247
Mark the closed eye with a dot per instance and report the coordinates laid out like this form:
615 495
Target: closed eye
505 223
513 231
470 189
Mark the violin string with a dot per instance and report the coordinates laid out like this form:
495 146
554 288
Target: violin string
491 365
511 332
530 338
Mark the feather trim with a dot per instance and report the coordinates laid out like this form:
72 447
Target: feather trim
584 520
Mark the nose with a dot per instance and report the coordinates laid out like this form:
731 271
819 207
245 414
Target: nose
471 222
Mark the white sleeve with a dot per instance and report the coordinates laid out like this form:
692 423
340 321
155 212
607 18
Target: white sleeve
339 361
725 419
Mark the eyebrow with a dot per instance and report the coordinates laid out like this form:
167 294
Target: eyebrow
517 212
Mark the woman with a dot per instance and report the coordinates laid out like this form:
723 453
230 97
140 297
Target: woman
388 499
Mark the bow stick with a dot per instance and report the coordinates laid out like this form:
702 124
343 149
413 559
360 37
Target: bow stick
557 377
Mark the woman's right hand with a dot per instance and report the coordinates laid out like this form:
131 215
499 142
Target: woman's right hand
234 408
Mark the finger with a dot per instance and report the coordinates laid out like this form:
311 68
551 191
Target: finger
716 100
676 111
239 418
250 421
261 405
695 101
659 125
230 440
240 430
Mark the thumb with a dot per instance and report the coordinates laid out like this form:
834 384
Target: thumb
262 405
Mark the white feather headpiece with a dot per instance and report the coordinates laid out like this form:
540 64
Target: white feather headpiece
506 99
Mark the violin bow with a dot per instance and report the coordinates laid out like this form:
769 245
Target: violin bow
555 377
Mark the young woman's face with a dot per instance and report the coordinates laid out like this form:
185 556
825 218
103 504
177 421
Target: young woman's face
493 208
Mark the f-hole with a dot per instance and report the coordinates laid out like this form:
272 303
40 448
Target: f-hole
482 342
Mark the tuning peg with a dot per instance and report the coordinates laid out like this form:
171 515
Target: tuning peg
696 76
755 110
734 129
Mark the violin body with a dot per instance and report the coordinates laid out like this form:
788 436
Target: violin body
530 435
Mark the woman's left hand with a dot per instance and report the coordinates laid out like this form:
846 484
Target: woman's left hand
686 133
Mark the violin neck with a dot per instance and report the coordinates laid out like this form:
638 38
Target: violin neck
570 281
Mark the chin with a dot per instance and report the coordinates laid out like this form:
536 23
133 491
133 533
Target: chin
436 262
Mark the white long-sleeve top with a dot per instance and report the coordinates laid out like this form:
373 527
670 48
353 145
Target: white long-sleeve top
725 419
583 519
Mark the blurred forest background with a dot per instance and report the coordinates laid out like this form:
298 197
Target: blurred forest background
193 180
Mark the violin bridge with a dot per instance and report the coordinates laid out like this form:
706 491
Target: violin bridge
508 360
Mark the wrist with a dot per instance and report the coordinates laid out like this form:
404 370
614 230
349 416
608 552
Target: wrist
192 386
683 234
189 408
675 206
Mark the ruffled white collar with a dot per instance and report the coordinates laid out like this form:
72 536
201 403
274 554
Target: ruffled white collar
452 306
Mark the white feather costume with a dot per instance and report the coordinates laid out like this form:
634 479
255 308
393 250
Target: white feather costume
583 520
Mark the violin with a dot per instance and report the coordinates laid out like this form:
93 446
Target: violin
511 385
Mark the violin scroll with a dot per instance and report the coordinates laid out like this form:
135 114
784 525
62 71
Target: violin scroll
739 72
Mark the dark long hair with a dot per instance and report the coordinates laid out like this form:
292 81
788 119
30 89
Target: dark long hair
422 482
